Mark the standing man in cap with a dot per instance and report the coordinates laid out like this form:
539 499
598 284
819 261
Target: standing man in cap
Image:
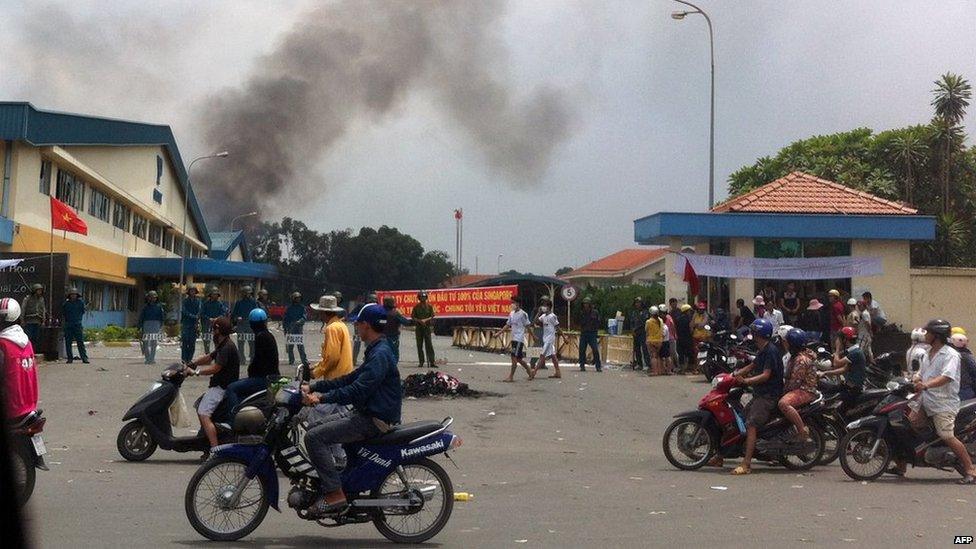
150 324
190 324
293 323
211 310
73 312
336 346
242 309
356 342
636 321
422 315
393 322
589 326
35 311
263 300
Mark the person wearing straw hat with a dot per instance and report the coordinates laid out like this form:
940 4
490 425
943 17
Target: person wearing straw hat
151 324
73 312
336 344
190 324
212 309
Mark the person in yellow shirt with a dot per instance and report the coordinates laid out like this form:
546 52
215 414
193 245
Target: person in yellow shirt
654 328
336 345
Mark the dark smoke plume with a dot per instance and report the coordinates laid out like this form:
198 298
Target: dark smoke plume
357 58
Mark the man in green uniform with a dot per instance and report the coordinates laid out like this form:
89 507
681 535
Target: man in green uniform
35 311
422 315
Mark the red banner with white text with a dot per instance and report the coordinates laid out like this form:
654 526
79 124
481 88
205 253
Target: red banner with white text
487 302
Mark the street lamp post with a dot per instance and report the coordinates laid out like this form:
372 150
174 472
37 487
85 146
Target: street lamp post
186 206
679 15
242 216
498 264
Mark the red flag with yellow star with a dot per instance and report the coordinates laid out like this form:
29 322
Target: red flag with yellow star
64 218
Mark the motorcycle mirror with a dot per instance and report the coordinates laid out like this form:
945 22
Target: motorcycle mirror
892 385
733 336
708 328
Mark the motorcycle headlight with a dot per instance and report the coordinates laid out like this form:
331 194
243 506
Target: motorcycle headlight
715 381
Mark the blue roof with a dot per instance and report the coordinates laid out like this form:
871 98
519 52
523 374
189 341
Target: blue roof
700 227
223 243
23 121
200 266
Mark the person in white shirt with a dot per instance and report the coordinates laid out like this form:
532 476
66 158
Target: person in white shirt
915 353
937 381
518 321
864 330
550 329
878 316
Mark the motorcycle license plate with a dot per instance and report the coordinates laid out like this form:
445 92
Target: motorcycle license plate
38 442
703 354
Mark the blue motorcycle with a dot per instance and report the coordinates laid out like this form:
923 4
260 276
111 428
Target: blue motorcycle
389 480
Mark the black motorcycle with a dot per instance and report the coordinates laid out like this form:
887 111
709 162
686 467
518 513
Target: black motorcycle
837 413
150 423
872 442
27 452
722 354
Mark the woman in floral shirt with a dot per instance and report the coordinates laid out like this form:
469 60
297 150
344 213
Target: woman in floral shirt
801 386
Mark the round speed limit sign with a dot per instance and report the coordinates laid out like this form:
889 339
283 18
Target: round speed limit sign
569 292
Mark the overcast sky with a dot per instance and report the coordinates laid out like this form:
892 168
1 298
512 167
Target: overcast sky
635 81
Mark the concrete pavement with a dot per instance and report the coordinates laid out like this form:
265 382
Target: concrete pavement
570 463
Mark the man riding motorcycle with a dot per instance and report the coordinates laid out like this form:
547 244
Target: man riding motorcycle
223 365
374 391
264 362
17 360
849 362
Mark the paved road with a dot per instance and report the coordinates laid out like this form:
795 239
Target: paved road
570 463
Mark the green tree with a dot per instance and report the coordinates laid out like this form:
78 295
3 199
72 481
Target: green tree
563 270
952 94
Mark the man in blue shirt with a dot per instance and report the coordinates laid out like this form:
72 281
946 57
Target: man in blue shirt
393 322
767 387
73 311
212 309
189 324
375 393
151 324
293 323
239 315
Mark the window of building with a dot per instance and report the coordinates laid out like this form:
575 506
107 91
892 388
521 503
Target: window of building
139 225
118 298
70 190
168 240
155 234
45 183
98 204
92 294
121 215
776 249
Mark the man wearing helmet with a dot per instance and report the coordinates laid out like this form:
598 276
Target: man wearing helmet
223 366
849 361
938 382
967 365
767 387
374 390
34 312
801 382
423 315
356 342
264 361
589 327
211 309
17 360
636 321
654 330
150 324
293 323
241 310
914 354
263 300
190 323
73 312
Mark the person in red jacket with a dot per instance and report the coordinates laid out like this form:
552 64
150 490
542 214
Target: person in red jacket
17 359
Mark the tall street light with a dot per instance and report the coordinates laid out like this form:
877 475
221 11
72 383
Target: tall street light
186 202
679 15
242 216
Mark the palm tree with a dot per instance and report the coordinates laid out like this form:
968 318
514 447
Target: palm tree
952 94
909 151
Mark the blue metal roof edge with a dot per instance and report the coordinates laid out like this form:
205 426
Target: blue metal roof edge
169 266
23 121
659 227
224 252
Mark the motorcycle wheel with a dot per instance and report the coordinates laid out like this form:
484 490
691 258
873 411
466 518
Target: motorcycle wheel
415 526
206 506
134 441
709 370
832 433
854 450
803 462
676 444
24 473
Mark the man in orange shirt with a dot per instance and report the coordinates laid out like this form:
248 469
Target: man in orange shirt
336 345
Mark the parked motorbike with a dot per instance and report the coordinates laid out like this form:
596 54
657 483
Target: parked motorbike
872 442
717 427
150 426
723 353
837 414
388 480
27 449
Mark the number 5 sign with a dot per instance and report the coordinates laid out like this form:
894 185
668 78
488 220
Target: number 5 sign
569 292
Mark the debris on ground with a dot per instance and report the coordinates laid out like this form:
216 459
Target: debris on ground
436 383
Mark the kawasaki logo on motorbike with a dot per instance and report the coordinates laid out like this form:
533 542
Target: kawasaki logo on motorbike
407 452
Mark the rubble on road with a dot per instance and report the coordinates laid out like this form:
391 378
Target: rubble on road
434 383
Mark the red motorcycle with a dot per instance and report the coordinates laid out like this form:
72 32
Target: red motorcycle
717 428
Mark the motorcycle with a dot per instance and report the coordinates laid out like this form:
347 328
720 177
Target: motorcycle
713 354
836 415
150 426
27 453
717 428
872 442
388 480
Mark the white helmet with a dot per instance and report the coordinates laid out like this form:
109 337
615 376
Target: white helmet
655 310
783 330
662 307
918 335
959 341
9 310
